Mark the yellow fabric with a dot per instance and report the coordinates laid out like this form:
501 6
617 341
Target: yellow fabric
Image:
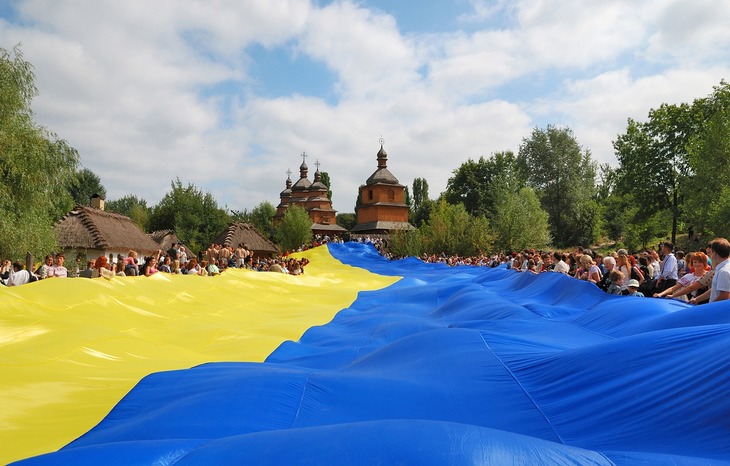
70 349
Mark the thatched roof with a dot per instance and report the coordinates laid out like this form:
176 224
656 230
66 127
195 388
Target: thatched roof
89 228
164 238
247 234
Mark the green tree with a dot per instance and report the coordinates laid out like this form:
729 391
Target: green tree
473 183
717 223
260 217
469 185
346 220
420 192
563 176
708 150
194 216
295 228
522 223
406 243
606 181
617 213
421 216
240 216
421 206
133 207
36 166
358 201
85 184
643 230
654 162
326 181
452 230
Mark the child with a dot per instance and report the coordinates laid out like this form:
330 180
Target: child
634 288
616 277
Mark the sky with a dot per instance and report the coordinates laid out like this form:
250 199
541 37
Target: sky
227 95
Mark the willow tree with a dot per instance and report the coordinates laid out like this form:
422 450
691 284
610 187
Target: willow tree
36 166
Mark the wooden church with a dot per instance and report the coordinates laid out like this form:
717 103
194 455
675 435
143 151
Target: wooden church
312 197
382 207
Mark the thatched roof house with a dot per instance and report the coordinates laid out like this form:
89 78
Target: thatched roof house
164 238
94 232
247 234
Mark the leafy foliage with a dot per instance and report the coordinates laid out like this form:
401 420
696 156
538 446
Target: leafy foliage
406 243
420 192
421 205
708 150
563 176
326 181
295 228
133 207
675 163
194 216
421 216
471 183
36 166
452 230
260 217
346 220
521 223
85 184
718 214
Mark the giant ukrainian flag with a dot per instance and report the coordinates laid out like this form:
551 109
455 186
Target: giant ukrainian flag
444 366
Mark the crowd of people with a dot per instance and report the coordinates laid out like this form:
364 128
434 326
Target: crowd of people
176 260
211 262
696 277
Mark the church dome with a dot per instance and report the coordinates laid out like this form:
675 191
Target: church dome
318 185
382 174
286 192
303 182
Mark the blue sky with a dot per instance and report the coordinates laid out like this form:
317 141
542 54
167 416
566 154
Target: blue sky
227 94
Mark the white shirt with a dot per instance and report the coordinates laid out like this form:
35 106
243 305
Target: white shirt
655 266
57 271
721 280
561 267
21 277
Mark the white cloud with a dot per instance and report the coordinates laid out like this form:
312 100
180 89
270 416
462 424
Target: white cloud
484 10
363 47
692 31
597 109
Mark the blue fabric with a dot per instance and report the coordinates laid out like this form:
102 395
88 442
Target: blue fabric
461 365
